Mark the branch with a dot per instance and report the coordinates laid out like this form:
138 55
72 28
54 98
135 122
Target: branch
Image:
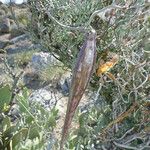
15 79
113 6
120 118
82 29
125 146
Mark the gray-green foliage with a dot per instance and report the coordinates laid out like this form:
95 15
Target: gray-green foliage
31 130
63 43
11 135
5 97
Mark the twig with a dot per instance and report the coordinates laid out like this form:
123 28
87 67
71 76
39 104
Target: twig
126 133
82 29
120 118
29 113
97 93
133 138
113 6
146 79
15 78
125 146
144 148
114 115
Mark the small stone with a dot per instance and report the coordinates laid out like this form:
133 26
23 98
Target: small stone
5 26
43 97
31 80
1 3
2 13
14 112
64 85
19 38
42 60
3 44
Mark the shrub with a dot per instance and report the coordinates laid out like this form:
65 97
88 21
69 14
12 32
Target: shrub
120 118
121 31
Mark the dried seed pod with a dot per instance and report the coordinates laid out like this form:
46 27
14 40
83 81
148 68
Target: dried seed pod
81 75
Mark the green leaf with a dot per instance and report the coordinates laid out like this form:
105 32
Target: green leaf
6 123
34 132
19 136
5 96
51 121
25 93
82 119
54 112
24 133
29 119
23 102
9 132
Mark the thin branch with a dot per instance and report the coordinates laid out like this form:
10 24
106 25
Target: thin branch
125 134
120 118
97 93
29 113
146 79
144 148
82 29
125 146
113 6
15 78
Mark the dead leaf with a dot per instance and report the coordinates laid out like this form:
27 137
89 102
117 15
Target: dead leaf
105 67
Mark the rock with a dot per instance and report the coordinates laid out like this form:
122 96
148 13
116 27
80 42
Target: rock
63 85
2 51
4 8
14 112
42 60
3 44
32 80
5 26
13 4
2 13
23 5
15 32
22 43
43 97
4 41
2 56
18 47
5 37
19 38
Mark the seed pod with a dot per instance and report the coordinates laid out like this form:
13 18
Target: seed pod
81 75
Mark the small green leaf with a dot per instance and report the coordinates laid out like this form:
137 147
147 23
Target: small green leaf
6 123
9 132
23 103
16 139
34 132
19 136
25 93
24 132
5 96
29 119
52 121
54 112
